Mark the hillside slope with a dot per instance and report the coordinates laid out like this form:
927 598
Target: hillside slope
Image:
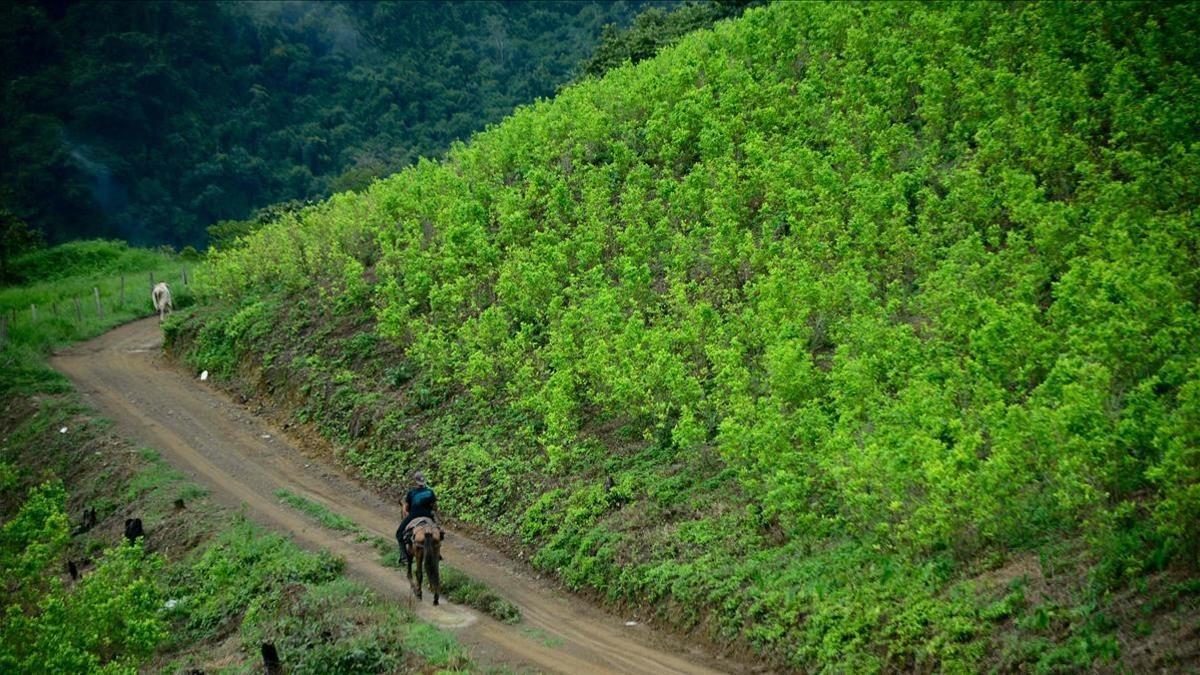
863 335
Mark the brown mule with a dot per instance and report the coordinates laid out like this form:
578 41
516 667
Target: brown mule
425 545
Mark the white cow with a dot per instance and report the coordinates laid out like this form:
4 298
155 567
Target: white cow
162 300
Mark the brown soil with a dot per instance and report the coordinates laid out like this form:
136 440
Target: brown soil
244 459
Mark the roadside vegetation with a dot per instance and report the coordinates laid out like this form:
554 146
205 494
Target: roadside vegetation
202 588
862 335
318 512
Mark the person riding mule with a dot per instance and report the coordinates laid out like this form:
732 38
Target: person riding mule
419 502
420 537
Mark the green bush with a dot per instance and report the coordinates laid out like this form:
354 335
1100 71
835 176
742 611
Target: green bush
83 257
110 621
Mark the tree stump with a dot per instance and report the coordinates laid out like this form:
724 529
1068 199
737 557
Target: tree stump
270 656
133 529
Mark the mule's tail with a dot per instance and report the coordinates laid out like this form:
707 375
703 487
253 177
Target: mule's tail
431 565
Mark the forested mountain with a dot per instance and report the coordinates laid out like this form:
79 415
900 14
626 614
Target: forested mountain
150 121
867 335
654 29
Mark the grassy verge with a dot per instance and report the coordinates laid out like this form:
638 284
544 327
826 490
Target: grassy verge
456 585
318 512
79 290
463 589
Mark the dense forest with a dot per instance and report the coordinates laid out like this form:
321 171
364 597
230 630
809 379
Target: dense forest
866 335
151 121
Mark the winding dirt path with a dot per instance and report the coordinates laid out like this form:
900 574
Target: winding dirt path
243 459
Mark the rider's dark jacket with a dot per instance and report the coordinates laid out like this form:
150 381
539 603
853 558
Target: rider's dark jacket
420 502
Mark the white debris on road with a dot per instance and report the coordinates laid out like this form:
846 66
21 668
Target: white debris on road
62 430
204 376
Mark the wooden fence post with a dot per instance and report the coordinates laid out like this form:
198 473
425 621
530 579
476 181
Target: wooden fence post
32 313
122 290
152 281
78 311
3 330
99 307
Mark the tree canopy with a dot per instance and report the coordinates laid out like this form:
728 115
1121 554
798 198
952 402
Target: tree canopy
151 121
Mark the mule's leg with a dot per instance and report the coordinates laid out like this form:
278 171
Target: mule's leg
432 555
416 552
409 564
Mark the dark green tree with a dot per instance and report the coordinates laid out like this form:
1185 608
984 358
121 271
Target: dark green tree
16 237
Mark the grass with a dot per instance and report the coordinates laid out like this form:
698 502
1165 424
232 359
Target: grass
542 637
58 303
318 512
467 591
152 482
79 259
436 647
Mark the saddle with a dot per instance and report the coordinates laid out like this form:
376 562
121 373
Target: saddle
424 524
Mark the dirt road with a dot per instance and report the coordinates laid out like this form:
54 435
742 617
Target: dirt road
244 460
